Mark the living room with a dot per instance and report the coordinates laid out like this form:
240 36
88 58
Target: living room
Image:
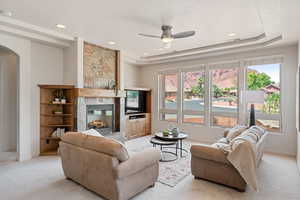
149 100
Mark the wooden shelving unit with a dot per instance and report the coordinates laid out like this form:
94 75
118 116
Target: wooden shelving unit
49 121
138 125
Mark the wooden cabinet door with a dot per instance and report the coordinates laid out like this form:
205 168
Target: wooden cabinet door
131 131
141 127
134 129
147 124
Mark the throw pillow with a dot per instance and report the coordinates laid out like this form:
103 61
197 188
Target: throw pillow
92 132
258 131
223 140
235 131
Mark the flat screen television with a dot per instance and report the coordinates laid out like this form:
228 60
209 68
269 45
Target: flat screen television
135 101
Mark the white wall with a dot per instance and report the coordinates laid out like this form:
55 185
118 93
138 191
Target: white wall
22 48
131 75
8 100
38 64
284 143
47 68
73 63
298 108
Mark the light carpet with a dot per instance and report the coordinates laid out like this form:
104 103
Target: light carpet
43 178
170 173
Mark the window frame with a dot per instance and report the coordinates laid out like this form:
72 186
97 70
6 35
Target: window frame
161 95
242 112
224 114
193 112
261 115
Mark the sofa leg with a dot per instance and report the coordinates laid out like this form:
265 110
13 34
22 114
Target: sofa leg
151 186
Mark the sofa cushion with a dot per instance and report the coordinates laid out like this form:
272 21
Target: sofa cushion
107 146
92 132
104 145
235 131
74 138
209 152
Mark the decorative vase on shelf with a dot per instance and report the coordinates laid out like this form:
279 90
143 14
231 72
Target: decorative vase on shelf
63 101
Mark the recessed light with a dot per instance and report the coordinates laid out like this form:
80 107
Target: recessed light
231 34
6 13
111 42
61 26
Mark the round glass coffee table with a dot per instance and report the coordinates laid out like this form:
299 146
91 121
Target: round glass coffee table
175 138
165 145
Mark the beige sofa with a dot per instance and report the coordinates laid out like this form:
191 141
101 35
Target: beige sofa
210 163
104 166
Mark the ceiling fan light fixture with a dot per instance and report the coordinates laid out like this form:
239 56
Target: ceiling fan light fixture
167 39
61 26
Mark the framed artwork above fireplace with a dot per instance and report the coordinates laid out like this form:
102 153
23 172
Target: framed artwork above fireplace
100 67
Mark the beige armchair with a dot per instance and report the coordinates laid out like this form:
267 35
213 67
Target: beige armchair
210 163
104 166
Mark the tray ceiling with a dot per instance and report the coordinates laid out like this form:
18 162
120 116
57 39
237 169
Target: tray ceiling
101 21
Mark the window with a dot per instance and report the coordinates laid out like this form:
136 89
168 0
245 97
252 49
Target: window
224 98
169 89
193 96
266 78
209 94
170 82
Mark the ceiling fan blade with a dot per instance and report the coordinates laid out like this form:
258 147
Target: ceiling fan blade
146 35
183 34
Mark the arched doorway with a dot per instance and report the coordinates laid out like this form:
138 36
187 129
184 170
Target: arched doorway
22 48
9 64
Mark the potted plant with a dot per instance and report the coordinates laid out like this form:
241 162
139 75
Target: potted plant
63 99
59 96
56 96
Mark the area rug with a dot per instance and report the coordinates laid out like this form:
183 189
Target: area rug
170 173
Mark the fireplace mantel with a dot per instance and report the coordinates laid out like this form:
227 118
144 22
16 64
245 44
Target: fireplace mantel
99 93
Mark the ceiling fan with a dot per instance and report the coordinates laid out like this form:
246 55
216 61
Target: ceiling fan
167 37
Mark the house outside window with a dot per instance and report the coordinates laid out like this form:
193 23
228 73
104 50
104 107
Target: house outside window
266 78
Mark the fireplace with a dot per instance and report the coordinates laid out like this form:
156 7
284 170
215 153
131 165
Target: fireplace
101 118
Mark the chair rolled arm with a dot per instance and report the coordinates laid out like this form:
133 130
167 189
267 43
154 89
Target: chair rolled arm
209 153
138 162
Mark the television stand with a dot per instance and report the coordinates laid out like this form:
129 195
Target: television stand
137 125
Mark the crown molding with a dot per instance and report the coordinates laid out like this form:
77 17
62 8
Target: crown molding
19 28
213 52
222 45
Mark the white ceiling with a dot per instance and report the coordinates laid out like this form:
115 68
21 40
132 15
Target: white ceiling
101 21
